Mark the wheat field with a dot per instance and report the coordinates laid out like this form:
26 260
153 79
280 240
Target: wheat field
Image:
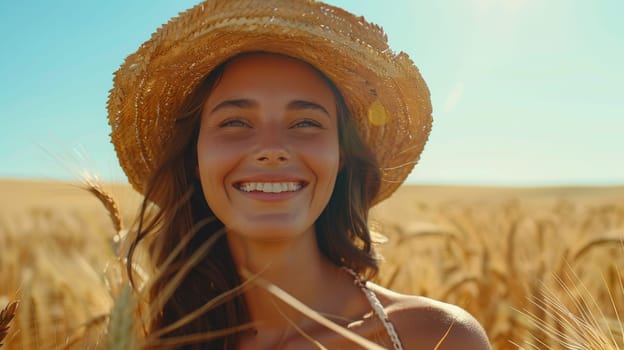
540 268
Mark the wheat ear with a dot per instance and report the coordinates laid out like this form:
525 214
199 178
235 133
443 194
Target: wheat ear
6 315
108 201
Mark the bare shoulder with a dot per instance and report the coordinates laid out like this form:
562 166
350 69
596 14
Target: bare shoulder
424 323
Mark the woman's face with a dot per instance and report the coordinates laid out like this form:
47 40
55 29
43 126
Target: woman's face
268 152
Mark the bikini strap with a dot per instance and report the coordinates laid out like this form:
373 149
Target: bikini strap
377 308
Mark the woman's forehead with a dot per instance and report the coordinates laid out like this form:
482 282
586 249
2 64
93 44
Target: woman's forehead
264 75
265 64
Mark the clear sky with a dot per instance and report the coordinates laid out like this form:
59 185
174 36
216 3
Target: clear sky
525 92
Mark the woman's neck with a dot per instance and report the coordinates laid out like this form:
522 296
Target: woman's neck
295 265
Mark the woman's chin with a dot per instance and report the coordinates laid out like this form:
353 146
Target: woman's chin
270 232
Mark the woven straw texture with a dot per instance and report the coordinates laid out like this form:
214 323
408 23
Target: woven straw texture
384 91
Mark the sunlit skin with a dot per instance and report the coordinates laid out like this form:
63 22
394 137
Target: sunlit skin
272 119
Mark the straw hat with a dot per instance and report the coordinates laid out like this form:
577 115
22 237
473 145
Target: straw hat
384 91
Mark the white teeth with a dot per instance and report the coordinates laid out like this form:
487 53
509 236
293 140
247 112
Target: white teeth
270 187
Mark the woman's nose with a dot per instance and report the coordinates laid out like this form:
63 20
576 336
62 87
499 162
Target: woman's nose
272 156
271 149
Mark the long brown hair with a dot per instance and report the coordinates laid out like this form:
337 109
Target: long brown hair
181 214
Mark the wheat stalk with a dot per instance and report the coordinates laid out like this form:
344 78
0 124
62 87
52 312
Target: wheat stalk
446 334
6 315
122 328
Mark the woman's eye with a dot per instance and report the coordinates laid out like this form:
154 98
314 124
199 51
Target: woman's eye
235 123
307 124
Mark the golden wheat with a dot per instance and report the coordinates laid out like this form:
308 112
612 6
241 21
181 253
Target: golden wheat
494 258
538 274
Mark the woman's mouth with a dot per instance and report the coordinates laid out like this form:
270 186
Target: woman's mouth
270 187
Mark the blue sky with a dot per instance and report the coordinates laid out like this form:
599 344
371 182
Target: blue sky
525 92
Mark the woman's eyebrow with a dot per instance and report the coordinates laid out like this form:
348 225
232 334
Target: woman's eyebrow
237 103
302 104
247 103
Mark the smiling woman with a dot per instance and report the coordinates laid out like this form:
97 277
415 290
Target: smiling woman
251 130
